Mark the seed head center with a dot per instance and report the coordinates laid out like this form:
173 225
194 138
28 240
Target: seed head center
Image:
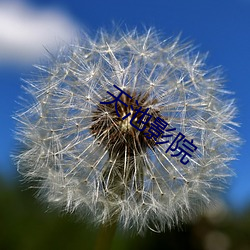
124 126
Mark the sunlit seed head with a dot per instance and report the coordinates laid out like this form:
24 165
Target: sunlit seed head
87 159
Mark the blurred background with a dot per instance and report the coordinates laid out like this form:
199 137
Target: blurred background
29 28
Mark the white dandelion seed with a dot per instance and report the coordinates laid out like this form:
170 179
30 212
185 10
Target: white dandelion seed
87 159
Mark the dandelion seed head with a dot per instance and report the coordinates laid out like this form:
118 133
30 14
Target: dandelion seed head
87 159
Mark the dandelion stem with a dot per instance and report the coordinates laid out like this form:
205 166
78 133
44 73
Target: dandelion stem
105 236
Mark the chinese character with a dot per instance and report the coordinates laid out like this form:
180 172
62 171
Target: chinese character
140 120
188 145
117 99
167 130
157 128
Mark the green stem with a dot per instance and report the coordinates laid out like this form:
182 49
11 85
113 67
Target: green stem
105 236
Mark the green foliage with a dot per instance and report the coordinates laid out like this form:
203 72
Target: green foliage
25 226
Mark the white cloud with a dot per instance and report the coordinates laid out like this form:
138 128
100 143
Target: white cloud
25 31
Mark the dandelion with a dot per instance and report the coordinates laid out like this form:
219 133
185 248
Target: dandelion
102 134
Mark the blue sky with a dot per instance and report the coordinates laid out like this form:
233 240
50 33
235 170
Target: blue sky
221 27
